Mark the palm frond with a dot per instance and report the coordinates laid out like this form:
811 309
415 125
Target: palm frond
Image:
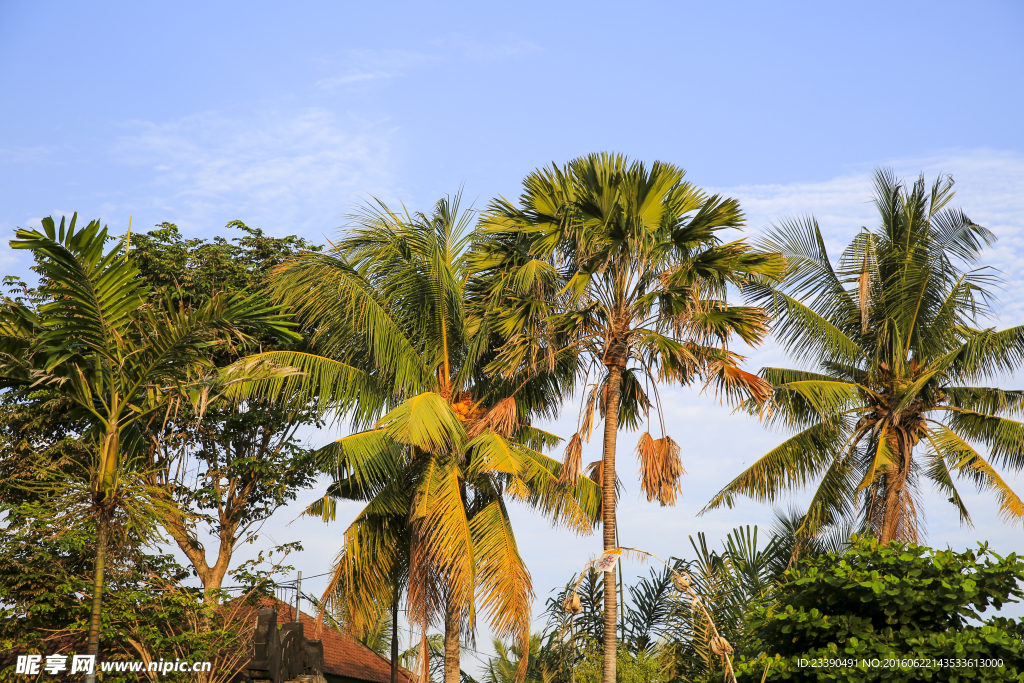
792 464
426 422
966 462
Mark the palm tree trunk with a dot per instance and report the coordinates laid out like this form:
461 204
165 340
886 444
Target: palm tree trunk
394 635
611 429
102 534
899 519
451 643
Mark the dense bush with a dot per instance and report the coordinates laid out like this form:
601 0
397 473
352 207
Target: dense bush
892 613
45 592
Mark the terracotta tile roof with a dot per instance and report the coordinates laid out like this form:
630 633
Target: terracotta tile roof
343 655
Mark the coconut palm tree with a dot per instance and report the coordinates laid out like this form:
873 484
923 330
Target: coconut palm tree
119 358
387 314
620 268
897 361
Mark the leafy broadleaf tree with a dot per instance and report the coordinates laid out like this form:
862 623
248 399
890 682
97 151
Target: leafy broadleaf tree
621 268
118 359
229 469
392 330
899 363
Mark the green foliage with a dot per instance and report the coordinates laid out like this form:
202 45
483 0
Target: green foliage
244 460
196 269
44 605
630 667
894 602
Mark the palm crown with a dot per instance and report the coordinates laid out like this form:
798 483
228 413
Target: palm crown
387 311
620 268
902 360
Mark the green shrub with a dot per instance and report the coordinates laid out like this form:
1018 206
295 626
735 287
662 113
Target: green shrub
892 613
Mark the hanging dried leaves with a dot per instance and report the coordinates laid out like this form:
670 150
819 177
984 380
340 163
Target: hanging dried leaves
574 605
502 419
587 428
681 582
660 468
595 472
572 462
720 646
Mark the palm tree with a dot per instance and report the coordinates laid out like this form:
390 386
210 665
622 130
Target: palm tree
899 359
620 267
118 357
387 312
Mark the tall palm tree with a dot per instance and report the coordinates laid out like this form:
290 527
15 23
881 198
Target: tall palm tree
620 267
388 315
117 356
896 358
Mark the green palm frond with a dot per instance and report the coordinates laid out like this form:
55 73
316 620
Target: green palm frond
986 400
334 386
967 462
804 332
340 307
1003 436
439 515
93 295
575 507
826 397
426 422
792 464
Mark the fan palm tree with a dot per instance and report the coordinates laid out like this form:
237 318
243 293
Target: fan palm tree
620 268
387 312
897 366
117 356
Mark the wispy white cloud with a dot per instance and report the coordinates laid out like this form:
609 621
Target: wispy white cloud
498 50
360 65
286 170
26 155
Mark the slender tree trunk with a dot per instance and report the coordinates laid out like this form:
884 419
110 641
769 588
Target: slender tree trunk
611 428
394 635
102 535
451 643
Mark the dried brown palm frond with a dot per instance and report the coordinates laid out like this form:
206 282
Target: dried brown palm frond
501 419
660 468
572 462
426 598
736 385
587 426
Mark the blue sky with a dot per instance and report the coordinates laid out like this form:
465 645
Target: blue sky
284 115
